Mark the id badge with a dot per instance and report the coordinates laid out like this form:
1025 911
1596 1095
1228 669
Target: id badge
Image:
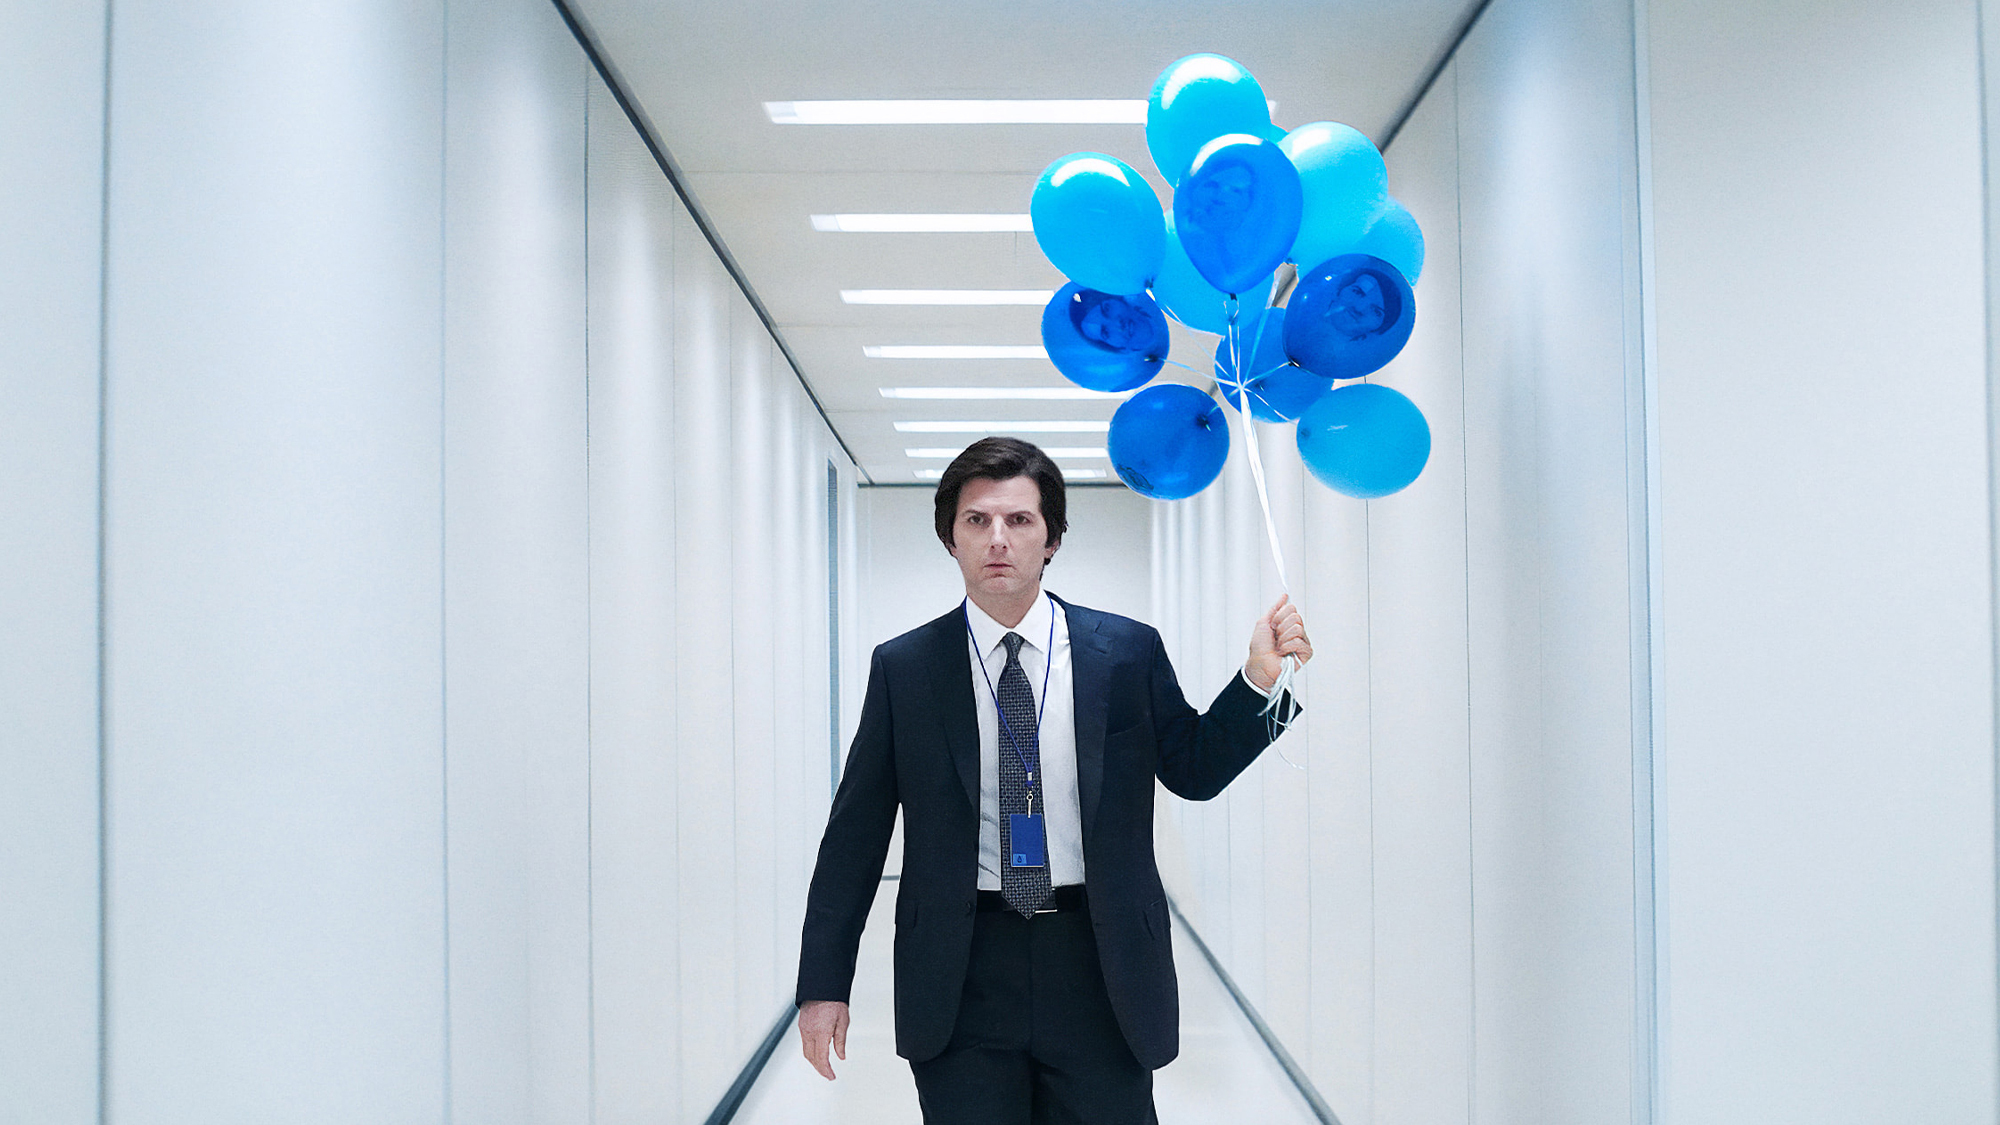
1025 833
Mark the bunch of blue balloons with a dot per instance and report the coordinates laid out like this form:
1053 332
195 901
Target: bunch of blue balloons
1248 197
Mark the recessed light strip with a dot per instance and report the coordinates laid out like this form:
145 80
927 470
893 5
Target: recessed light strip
922 224
1039 111
1060 452
954 351
1001 393
1018 427
1068 474
947 296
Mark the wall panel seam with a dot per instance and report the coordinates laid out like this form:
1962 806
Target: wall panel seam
103 639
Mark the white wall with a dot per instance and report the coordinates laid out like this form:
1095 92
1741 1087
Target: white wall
1828 834
51 201
1440 914
443 458
1650 750
275 911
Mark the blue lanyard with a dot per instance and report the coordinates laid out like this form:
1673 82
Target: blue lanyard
1048 662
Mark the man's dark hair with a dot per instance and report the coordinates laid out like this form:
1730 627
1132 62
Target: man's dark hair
1002 458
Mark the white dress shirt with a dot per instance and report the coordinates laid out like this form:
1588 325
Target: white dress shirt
1055 789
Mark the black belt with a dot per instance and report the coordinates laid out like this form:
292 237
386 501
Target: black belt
1062 899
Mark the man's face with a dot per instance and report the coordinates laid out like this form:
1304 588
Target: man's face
1222 199
1358 309
998 536
1114 323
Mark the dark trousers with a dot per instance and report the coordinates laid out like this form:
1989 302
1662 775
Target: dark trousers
1036 1042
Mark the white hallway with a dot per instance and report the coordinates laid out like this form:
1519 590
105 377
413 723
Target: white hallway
431 602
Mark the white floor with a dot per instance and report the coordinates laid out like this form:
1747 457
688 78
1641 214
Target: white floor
1224 1071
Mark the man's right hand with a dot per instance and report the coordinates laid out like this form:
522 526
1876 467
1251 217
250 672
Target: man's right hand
823 1023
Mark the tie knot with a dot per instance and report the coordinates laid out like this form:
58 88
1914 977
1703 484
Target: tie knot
1013 641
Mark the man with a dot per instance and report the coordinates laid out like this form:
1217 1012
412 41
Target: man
1021 735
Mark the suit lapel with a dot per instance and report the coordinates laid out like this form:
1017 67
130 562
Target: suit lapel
1090 677
950 668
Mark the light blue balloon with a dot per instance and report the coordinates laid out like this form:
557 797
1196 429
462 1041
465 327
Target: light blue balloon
1168 442
1278 389
1395 238
1099 222
1237 210
1364 440
1188 297
1344 183
1195 100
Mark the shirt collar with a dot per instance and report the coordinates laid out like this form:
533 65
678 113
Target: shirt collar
1034 628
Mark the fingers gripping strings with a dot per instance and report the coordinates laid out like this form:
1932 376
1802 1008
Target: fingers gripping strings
1288 668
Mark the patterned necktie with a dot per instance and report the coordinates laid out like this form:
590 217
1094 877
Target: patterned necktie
1025 888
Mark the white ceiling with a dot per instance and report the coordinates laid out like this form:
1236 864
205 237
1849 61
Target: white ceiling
703 71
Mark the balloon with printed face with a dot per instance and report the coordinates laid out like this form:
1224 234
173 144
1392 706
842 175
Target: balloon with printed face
1349 316
1195 100
1237 210
1168 442
1278 389
1099 222
1395 237
1364 440
1187 296
1104 341
1343 181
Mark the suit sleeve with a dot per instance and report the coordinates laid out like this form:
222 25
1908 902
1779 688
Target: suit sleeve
1201 753
851 853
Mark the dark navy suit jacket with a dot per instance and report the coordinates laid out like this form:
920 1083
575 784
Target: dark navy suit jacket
918 746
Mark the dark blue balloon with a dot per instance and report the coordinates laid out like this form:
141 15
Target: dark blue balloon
1279 390
1104 341
1349 316
1169 442
1364 440
1237 211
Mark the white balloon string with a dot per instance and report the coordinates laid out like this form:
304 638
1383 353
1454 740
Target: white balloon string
1281 689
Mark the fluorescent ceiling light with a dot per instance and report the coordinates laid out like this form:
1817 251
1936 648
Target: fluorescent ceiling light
996 393
947 296
1026 111
926 224
1067 427
1040 111
1068 474
955 351
1059 452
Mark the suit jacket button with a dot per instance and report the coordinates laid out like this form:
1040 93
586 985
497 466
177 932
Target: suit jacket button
972 906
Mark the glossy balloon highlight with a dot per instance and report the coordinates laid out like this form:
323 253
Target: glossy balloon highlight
1104 341
1364 440
1099 222
1168 442
1237 210
1195 100
1349 316
1343 181
1187 296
